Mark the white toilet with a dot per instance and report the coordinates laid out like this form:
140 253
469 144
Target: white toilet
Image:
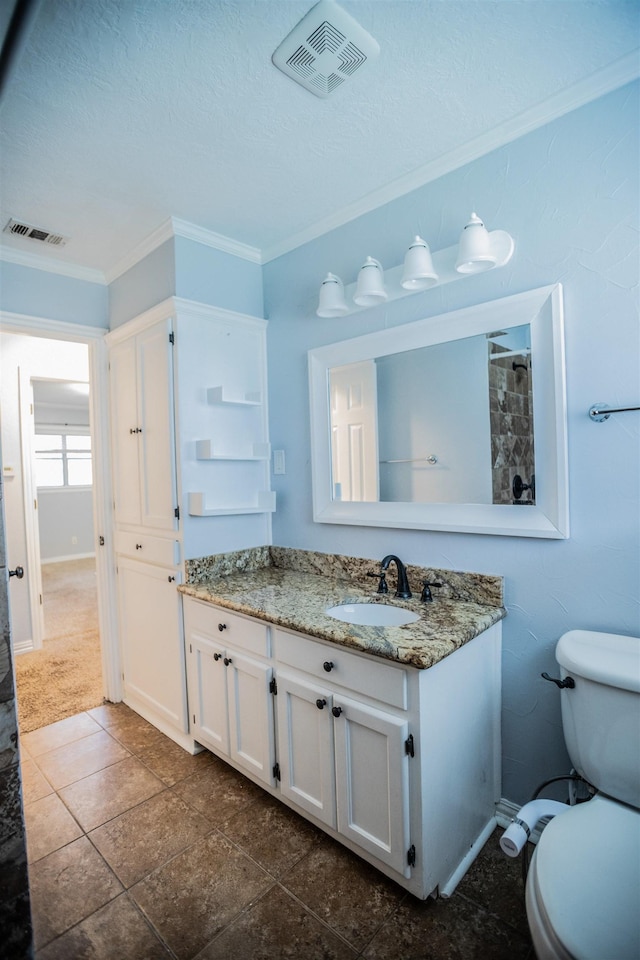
583 886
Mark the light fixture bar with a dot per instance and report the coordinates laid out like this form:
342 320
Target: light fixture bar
444 262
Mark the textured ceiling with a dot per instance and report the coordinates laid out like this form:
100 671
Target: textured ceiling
123 113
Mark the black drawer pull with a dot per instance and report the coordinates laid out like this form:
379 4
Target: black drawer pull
328 665
222 626
227 661
336 711
138 546
217 656
321 704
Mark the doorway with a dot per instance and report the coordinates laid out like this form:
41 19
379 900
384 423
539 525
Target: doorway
53 435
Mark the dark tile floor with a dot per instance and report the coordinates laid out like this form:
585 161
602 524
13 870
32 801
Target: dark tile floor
139 851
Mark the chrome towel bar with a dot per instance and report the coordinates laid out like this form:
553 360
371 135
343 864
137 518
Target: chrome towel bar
601 411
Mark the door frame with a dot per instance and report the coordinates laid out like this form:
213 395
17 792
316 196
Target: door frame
93 338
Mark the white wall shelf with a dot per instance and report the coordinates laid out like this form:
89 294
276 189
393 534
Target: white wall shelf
266 503
221 395
207 450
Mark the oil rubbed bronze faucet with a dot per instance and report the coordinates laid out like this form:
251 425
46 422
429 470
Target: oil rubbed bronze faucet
402 589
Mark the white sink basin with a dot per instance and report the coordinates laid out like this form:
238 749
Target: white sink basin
372 614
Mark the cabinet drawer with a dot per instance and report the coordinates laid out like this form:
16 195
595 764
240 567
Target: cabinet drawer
141 546
373 677
226 627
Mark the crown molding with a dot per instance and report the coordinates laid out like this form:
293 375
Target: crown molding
24 258
174 227
604 81
209 238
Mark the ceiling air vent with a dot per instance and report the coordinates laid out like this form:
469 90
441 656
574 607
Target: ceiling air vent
34 233
326 48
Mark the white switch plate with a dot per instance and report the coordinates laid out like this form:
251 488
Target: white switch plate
278 462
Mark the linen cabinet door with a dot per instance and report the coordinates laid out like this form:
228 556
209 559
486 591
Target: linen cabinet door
372 780
125 425
207 685
305 747
152 642
157 444
251 728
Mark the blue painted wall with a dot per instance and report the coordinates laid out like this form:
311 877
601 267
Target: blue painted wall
211 276
38 293
148 282
568 193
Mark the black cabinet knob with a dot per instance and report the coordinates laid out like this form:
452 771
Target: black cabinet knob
171 579
222 626
217 656
227 661
321 704
336 711
328 665
18 572
138 546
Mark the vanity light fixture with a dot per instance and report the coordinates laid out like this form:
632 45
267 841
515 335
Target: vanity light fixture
370 289
332 302
479 250
419 272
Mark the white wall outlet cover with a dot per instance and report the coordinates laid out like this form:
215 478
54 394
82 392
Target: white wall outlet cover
326 48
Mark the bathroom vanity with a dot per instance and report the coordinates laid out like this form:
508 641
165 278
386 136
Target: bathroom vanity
387 738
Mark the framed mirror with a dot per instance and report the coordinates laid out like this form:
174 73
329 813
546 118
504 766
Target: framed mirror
456 422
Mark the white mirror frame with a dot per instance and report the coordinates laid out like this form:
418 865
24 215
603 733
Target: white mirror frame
549 517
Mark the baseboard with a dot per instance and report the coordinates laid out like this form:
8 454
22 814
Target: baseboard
72 556
505 813
25 646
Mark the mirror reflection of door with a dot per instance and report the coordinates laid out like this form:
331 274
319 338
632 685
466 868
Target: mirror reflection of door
354 431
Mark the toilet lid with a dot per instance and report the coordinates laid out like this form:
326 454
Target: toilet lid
587 865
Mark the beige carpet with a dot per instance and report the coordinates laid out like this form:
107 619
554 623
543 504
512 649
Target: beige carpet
65 677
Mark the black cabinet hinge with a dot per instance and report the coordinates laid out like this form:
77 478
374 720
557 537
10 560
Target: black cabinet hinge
409 747
276 771
176 513
273 686
411 856
171 338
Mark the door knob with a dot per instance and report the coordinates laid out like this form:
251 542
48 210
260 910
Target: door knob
18 572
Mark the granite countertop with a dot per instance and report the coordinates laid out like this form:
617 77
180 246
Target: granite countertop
298 600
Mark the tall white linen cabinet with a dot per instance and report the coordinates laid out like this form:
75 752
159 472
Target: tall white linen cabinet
191 470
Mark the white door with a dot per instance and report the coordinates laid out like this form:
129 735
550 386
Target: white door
372 777
305 747
124 426
152 640
207 683
354 432
251 741
156 415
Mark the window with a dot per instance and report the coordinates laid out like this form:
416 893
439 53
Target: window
62 460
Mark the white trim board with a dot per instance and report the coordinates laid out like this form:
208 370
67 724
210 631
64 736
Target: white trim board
66 559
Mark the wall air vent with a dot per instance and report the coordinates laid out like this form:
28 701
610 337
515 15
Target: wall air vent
326 48
29 232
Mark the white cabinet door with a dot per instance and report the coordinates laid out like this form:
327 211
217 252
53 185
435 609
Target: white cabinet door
305 747
372 777
207 685
123 381
144 462
157 447
152 641
251 738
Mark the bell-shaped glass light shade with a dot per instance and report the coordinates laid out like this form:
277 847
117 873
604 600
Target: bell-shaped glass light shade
370 286
474 250
418 267
331 302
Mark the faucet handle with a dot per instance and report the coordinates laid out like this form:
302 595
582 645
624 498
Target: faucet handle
382 578
426 595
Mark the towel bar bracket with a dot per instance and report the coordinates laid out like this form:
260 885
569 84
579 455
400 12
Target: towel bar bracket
602 411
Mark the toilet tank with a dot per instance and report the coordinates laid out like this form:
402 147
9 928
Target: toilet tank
601 714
